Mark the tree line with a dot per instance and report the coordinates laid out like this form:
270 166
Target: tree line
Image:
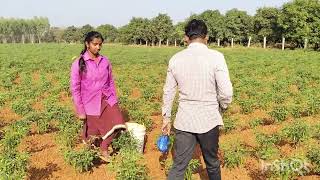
297 21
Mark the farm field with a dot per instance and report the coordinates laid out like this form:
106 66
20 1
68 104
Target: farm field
272 128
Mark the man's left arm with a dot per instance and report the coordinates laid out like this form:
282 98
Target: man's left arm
224 85
169 92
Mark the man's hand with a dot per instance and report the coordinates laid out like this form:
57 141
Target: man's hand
82 117
166 127
222 109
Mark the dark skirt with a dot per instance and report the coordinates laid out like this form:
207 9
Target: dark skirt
106 124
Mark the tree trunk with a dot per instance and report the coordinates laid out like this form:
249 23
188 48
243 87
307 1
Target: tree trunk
167 42
4 40
264 42
146 42
218 42
152 43
175 42
13 39
305 43
23 39
160 42
32 38
316 46
39 39
232 42
283 42
249 42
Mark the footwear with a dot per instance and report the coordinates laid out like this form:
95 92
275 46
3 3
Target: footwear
93 142
105 156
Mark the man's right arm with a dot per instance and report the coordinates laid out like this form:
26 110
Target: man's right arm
223 83
169 92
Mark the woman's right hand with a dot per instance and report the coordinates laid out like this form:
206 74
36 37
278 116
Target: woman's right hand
82 117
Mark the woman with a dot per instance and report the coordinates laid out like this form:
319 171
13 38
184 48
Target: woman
94 94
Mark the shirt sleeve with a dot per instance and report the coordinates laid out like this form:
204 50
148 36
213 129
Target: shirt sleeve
111 84
169 92
75 85
223 83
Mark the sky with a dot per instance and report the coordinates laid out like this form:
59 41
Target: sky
63 13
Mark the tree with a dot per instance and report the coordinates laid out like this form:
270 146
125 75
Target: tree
57 34
42 26
266 24
133 32
108 32
299 20
137 26
70 34
162 25
214 21
24 29
238 25
178 33
32 30
125 34
146 30
5 30
49 36
81 33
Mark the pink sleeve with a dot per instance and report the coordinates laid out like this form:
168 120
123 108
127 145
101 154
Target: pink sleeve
112 88
75 84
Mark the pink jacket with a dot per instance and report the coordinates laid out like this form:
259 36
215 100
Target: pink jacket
87 89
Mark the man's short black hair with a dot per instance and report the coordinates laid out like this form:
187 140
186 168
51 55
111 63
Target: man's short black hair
196 29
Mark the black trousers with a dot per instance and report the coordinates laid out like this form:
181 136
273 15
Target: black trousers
184 146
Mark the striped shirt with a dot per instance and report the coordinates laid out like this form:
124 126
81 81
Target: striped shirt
202 78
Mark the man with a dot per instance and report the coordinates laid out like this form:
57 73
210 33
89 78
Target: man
202 78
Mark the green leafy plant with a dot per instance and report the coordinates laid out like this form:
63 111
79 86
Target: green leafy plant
21 106
148 93
296 132
267 148
296 111
279 113
314 156
128 165
288 168
140 117
13 165
255 122
41 120
234 154
193 165
81 160
313 105
247 106
13 135
125 141
68 132
229 124
3 99
316 131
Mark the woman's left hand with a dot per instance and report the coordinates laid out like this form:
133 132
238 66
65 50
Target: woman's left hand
82 117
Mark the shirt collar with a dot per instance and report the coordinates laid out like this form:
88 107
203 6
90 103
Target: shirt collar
198 45
87 57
